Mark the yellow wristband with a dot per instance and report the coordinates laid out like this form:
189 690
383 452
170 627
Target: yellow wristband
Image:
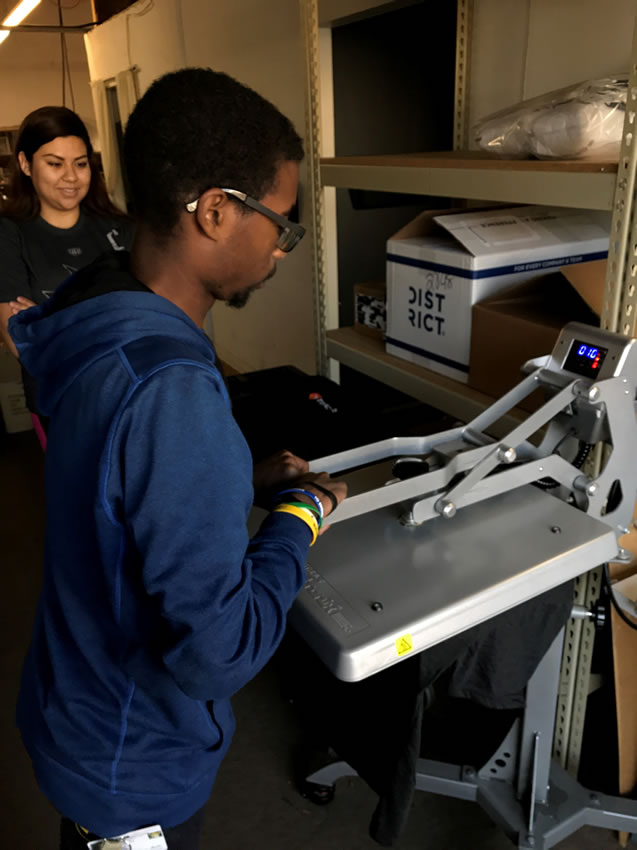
306 515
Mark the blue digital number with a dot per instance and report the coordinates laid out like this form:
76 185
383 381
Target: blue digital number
588 351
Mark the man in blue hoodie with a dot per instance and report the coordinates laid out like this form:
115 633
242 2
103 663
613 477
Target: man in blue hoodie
156 606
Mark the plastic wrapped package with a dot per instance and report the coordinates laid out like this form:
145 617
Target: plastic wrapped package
584 121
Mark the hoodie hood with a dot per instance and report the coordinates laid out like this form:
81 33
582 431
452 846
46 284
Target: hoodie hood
97 311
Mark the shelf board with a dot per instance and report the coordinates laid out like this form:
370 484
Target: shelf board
570 183
367 354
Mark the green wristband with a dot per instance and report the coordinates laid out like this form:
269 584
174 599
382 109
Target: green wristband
308 507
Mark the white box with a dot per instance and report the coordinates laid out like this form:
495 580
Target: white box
15 413
440 264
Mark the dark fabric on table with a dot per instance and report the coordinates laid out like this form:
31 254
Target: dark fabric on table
379 725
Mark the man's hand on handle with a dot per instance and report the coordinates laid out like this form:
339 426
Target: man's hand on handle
284 471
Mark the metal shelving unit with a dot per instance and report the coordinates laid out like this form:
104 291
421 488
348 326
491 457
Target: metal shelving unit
582 184
588 185
468 175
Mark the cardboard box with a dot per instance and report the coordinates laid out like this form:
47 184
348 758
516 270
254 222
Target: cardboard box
370 308
526 322
9 367
13 407
15 413
440 265
518 324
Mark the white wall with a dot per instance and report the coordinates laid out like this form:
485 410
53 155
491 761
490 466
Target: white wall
260 44
31 68
147 34
573 40
522 48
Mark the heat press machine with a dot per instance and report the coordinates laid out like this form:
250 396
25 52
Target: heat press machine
443 532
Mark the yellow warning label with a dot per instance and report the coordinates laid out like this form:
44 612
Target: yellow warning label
404 645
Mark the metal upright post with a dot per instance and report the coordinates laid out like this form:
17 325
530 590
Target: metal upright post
309 21
463 60
619 314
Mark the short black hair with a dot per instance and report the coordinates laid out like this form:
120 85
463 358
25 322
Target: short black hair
196 129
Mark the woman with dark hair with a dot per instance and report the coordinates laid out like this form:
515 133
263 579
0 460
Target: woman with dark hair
58 217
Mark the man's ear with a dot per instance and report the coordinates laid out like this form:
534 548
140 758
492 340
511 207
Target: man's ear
213 213
24 163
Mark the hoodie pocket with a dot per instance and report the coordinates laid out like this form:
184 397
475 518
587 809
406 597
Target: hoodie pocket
171 723
221 720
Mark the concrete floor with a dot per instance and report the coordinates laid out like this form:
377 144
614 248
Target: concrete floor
254 803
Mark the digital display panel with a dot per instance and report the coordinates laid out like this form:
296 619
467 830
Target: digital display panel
585 359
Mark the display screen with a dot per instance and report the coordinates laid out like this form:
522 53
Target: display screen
585 359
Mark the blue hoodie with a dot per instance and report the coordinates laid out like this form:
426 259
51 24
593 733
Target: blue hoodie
156 606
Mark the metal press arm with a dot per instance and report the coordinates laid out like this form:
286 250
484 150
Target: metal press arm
471 466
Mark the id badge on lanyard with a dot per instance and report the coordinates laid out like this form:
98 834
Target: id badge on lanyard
149 838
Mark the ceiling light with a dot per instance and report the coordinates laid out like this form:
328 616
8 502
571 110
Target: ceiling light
20 12
4 34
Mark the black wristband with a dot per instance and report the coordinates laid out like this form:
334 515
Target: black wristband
325 491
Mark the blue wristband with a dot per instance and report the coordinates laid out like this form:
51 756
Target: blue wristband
312 496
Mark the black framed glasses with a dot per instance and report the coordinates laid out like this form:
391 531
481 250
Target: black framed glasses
290 234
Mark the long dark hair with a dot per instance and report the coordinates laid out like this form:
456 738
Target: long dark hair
39 128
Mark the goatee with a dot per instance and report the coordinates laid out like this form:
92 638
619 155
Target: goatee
241 298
